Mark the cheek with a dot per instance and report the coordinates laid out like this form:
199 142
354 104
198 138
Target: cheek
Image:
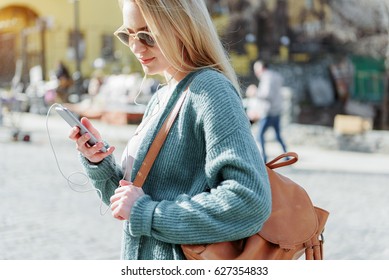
162 60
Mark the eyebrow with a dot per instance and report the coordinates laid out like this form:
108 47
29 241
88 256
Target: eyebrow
145 28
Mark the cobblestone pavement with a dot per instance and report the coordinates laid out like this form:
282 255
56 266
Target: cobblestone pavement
42 218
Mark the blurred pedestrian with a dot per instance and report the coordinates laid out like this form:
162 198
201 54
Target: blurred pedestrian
95 83
65 81
208 183
270 103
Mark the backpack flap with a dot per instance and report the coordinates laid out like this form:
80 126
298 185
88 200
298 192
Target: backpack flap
293 219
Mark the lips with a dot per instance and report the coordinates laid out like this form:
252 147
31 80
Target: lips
146 60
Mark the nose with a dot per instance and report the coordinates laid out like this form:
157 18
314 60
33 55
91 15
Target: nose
136 46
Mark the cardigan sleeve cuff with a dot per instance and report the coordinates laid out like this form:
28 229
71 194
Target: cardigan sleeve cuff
141 216
100 171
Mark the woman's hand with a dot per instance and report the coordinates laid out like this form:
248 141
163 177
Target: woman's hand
93 154
123 200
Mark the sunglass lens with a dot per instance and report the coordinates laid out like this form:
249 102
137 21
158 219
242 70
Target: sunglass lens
146 39
123 36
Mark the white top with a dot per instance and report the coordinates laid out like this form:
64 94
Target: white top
136 140
270 94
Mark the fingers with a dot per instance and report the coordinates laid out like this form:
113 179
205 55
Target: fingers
83 145
119 194
123 200
86 122
74 133
117 204
120 207
92 153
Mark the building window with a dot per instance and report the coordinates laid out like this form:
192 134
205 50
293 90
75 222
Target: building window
309 5
107 49
75 37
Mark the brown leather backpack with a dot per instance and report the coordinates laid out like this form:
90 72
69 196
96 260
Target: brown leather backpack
295 227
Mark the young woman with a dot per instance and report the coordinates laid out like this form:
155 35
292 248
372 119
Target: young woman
208 183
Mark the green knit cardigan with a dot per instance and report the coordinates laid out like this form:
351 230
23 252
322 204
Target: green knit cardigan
208 183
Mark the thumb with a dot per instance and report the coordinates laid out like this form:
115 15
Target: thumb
124 183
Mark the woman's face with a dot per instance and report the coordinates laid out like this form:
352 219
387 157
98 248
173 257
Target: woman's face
151 58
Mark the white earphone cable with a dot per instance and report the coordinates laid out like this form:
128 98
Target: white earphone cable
68 178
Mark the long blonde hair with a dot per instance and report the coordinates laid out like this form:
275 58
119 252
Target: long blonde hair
186 35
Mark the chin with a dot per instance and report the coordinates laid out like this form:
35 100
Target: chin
151 71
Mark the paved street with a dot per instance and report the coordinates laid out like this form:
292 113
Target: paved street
42 218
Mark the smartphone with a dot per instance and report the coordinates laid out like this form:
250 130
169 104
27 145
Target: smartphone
71 119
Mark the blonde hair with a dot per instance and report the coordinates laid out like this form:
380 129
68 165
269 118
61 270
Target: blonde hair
186 35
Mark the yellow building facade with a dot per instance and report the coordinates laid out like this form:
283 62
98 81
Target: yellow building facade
307 18
309 9
42 32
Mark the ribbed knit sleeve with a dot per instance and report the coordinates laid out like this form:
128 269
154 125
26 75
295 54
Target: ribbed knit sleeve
213 184
104 176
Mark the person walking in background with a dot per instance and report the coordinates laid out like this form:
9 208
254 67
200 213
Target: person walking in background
65 81
270 103
208 183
